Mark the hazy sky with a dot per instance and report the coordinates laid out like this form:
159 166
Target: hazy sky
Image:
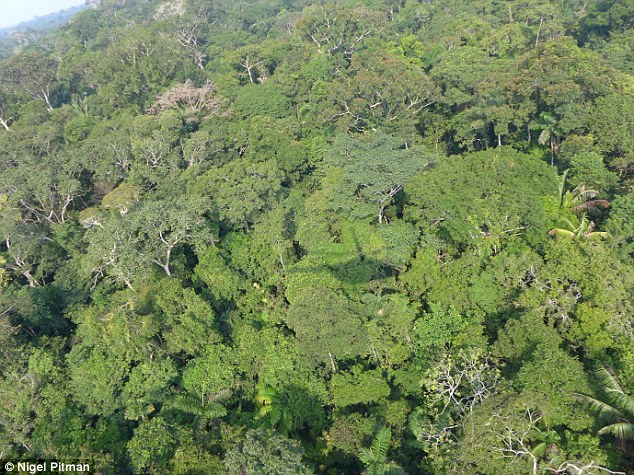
15 11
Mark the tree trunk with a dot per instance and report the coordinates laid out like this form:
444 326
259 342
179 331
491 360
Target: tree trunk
332 362
167 262
165 267
281 257
49 107
128 284
4 124
31 280
539 30
246 64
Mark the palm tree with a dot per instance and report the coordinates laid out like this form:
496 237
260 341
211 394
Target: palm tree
205 406
550 134
582 232
376 301
579 200
615 410
375 457
272 408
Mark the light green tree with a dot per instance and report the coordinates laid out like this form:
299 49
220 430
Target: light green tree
583 231
263 452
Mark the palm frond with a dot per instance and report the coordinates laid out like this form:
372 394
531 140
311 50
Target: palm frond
581 194
266 395
585 225
561 232
567 224
624 402
598 236
607 378
188 404
593 208
219 396
192 405
368 298
539 450
275 415
286 420
214 410
599 408
366 456
264 410
381 443
562 188
394 469
580 199
374 457
620 430
375 468
618 411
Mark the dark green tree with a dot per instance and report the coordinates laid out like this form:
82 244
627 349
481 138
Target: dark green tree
615 409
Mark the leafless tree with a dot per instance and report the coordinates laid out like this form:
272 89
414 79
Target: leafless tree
189 99
189 40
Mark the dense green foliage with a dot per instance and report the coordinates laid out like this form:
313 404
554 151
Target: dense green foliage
379 237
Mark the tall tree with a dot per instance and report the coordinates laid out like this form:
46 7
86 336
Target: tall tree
31 73
328 328
375 172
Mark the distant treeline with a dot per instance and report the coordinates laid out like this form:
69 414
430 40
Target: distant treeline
14 37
